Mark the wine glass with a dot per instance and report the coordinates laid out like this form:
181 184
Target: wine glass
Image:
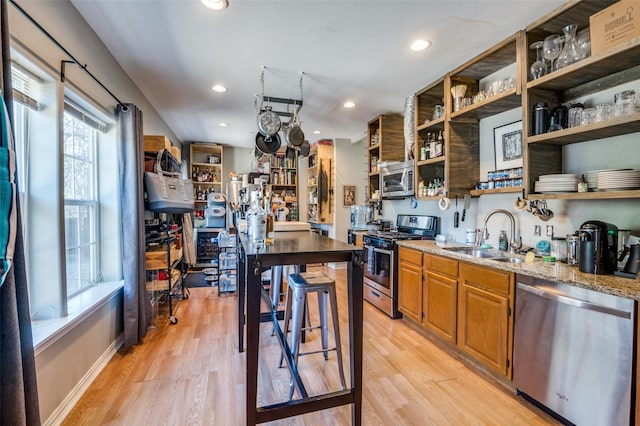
551 48
538 68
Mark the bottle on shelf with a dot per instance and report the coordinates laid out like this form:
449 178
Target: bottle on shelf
439 148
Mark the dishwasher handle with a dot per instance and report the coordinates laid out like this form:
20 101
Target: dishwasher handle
578 303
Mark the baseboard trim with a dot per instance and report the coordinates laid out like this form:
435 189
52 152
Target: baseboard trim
65 407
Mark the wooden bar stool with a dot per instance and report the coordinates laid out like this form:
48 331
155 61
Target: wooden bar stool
299 285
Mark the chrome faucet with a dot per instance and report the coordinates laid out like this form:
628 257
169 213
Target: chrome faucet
513 245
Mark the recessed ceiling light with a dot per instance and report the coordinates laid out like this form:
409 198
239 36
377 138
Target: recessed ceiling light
419 45
349 104
219 88
316 132
223 124
216 4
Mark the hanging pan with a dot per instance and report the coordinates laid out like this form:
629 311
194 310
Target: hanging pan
290 153
268 144
293 134
304 149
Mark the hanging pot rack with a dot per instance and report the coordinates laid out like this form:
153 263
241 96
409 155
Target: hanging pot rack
287 102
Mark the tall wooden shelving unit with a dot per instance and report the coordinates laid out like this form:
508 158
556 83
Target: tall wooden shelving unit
320 182
207 176
544 153
385 136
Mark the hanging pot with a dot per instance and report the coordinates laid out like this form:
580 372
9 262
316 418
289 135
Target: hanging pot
269 122
290 153
268 144
304 149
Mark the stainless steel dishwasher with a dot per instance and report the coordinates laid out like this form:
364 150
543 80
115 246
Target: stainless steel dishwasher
574 351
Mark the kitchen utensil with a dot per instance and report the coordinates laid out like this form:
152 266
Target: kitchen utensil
467 203
444 203
268 145
304 149
456 215
269 122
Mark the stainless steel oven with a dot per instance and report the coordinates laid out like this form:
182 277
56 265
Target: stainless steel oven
380 275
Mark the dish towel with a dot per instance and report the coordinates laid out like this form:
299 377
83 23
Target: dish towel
8 208
371 261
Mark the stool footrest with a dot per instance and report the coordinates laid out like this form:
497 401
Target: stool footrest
319 351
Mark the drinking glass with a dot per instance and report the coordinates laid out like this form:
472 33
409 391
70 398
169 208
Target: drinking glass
551 48
584 42
538 68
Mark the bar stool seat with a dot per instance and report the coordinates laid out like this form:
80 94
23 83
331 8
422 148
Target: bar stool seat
299 285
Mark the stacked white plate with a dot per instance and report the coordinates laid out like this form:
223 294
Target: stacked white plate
616 180
592 177
563 182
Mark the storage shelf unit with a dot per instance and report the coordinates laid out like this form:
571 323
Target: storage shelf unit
385 136
618 66
320 182
207 173
283 175
542 154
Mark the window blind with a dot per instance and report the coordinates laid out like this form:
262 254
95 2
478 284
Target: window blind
88 119
26 87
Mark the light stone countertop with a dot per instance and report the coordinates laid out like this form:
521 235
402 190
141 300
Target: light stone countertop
557 272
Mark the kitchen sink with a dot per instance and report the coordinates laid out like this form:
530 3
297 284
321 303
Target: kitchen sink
509 259
473 251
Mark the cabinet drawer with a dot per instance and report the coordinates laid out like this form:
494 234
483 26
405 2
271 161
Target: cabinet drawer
488 278
376 298
410 255
440 264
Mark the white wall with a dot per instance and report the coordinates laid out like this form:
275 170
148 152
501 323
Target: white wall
351 169
63 365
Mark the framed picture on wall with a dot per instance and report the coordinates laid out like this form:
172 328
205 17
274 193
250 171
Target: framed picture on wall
349 192
507 141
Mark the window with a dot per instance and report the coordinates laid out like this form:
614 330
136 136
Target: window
80 201
68 192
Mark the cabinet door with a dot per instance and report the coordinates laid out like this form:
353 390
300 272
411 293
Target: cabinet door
439 304
482 326
410 290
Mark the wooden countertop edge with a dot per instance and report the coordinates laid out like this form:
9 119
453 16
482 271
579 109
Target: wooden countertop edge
557 272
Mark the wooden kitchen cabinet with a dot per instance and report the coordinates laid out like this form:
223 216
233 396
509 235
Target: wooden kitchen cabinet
385 135
410 283
439 295
485 323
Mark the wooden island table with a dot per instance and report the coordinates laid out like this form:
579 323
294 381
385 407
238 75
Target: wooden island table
296 248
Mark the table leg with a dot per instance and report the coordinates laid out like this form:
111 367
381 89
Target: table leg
242 276
354 273
253 341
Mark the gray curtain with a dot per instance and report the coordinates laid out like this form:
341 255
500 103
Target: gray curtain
137 309
18 385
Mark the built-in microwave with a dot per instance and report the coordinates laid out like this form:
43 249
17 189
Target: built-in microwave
396 179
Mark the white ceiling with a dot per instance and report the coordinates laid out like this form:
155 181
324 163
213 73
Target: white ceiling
176 50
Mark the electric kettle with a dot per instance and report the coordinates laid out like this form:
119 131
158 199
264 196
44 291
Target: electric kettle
633 249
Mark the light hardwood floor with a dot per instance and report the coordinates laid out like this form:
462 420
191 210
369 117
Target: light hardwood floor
191 373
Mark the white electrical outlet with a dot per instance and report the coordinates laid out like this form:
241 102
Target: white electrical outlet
549 230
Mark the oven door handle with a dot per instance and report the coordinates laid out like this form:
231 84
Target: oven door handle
383 251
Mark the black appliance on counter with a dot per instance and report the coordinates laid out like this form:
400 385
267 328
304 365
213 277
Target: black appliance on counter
598 247
380 273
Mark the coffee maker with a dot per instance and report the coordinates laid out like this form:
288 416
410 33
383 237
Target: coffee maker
598 247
